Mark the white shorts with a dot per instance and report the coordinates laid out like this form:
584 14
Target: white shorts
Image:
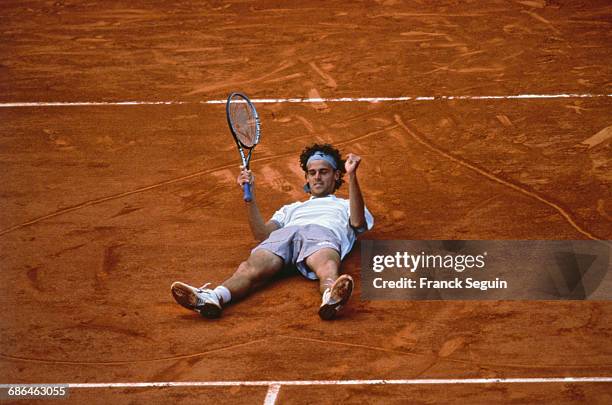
294 244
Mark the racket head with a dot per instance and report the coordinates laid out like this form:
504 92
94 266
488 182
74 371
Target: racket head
243 120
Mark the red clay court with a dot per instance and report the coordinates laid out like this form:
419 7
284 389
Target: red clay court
475 120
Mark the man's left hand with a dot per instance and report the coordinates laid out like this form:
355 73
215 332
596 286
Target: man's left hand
351 163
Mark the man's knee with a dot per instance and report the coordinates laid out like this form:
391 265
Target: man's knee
325 255
328 265
325 262
259 265
328 271
246 270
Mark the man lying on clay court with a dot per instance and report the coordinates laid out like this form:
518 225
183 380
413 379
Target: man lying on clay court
313 235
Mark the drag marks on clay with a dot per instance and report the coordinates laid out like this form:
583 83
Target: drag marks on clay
286 78
576 108
425 360
278 182
442 16
365 136
114 329
110 262
225 176
194 197
172 181
600 165
307 124
329 81
448 348
407 338
126 210
399 137
237 83
291 122
425 36
295 168
68 249
601 209
328 342
504 120
32 275
136 361
520 188
541 19
601 137
532 3
174 371
94 233
582 322
61 142
114 197
451 346
461 53
123 16
476 210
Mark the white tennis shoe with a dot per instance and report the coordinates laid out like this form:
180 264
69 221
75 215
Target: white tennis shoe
201 300
336 297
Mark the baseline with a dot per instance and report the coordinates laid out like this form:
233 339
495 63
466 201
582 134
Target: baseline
303 100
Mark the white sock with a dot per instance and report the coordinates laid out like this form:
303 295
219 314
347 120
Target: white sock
223 293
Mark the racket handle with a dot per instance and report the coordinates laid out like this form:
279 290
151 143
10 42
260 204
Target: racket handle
246 187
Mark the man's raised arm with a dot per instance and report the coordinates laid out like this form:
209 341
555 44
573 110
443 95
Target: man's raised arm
357 210
260 229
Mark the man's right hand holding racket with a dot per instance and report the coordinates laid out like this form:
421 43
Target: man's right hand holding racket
246 176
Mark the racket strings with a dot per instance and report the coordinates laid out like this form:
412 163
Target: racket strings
243 121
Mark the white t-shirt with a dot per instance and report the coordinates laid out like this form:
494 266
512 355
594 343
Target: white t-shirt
331 212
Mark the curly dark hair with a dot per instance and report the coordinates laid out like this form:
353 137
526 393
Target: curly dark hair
328 150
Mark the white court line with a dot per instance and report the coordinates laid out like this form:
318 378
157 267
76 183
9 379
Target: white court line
301 100
338 382
272 394
275 386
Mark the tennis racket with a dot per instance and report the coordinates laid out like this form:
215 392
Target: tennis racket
244 123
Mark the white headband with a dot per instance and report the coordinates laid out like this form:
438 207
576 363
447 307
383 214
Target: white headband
318 155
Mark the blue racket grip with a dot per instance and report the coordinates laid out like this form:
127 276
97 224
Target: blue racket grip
246 187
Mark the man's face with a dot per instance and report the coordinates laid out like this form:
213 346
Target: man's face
321 177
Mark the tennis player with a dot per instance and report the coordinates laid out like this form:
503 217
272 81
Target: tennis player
312 236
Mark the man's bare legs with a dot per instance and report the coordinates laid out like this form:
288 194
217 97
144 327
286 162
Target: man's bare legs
335 289
259 267
326 265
